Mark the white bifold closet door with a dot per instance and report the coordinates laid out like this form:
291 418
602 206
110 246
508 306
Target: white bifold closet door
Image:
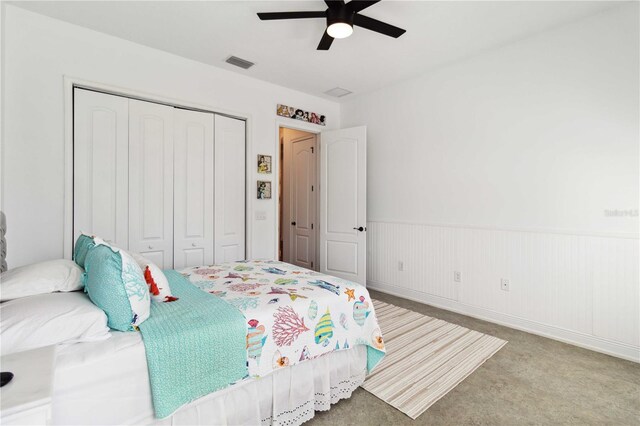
161 181
151 181
193 188
229 189
101 166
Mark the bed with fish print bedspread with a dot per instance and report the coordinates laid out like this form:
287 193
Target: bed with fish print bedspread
293 314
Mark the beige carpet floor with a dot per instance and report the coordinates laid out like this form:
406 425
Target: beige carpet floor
426 358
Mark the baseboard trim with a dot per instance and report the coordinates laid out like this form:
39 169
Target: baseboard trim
598 344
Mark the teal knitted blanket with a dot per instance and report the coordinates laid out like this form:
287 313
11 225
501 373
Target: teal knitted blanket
195 346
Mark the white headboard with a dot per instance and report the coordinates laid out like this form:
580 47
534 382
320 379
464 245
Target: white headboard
3 242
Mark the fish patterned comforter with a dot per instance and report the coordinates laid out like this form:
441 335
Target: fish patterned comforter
293 314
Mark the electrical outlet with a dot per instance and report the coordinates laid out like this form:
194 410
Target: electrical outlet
457 276
400 265
504 284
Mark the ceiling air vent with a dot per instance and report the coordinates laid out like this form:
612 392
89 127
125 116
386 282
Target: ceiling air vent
338 92
239 62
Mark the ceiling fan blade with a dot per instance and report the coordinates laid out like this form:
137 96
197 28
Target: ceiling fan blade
325 42
334 4
268 16
358 5
377 26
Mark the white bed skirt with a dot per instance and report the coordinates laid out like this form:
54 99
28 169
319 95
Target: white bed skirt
88 393
298 392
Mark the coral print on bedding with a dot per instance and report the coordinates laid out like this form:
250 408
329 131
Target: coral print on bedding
293 314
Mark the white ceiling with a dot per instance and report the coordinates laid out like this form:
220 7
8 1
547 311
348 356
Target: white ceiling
285 52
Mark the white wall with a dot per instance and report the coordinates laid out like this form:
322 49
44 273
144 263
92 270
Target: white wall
502 166
39 51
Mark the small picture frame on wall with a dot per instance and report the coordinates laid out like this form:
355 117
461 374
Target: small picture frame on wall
264 190
264 164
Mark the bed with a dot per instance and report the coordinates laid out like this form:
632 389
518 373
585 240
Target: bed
92 387
308 341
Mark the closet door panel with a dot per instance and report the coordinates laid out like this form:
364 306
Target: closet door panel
151 181
101 170
229 189
193 188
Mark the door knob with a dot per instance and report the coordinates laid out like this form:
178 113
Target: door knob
360 228
150 247
193 244
293 223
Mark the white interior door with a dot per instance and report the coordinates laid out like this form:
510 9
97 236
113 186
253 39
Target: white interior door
343 203
151 181
100 166
299 202
193 188
229 189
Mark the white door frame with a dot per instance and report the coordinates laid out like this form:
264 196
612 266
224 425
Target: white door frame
69 83
275 187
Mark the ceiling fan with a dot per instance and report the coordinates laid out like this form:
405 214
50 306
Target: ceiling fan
341 17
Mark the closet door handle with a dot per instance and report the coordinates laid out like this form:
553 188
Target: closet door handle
193 244
360 228
150 247
293 223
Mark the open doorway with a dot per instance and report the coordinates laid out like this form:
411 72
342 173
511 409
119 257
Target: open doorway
298 198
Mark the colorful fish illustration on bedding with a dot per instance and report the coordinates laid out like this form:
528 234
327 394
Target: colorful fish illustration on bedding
207 271
343 321
360 311
243 268
285 281
313 310
273 270
324 329
255 339
218 293
274 300
292 292
243 277
327 286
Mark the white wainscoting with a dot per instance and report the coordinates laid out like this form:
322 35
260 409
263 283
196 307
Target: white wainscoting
580 289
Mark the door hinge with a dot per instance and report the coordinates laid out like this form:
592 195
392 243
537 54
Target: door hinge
311 265
311 188
312 149
281 151
312 226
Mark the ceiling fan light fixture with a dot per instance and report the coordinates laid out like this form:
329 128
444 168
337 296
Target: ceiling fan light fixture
340 30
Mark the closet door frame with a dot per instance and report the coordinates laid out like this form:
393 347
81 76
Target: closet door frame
69 83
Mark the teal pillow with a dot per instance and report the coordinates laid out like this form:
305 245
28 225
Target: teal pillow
83 244
114 283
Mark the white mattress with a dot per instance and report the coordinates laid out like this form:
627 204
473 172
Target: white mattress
107 383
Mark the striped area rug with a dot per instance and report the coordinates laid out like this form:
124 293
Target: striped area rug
426 358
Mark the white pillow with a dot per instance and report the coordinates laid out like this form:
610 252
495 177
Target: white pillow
50 319
39 278
156 279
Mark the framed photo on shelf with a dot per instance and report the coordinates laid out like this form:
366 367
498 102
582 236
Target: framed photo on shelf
264 164
264 190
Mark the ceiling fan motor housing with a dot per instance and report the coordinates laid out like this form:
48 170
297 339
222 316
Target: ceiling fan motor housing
339 15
